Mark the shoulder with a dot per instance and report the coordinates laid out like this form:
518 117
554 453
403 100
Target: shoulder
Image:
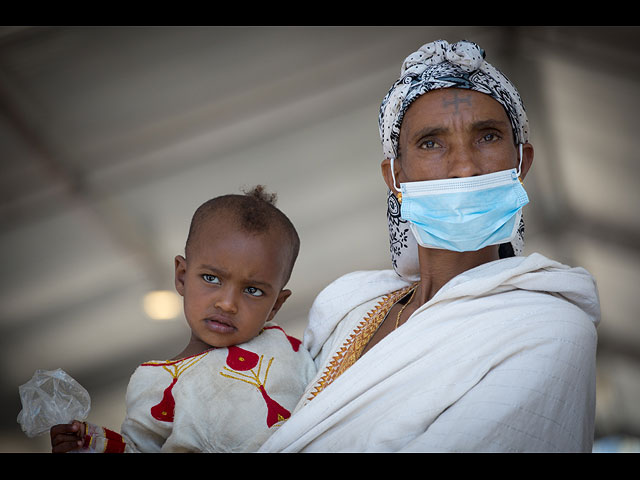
533 323
558 317
274 338
289 365
358 287
342 296
274 342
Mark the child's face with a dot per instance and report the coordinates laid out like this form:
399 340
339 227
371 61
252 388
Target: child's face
231 283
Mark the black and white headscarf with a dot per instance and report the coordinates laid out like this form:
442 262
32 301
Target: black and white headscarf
433 66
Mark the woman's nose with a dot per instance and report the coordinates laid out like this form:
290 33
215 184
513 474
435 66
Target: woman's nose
462 162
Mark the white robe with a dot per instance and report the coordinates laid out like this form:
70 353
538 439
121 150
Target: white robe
501 359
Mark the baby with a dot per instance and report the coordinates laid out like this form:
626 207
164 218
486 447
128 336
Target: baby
240 376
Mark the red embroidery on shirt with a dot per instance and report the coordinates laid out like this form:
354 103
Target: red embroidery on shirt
295 343
102 440
241 359
166 408
276 413
115 443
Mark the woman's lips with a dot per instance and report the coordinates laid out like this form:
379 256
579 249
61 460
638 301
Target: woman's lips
219 324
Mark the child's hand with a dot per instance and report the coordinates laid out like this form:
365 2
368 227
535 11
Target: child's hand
66 437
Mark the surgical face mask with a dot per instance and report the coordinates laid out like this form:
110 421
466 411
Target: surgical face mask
464 214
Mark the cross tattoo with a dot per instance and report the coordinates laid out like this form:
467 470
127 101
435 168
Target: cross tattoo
456 100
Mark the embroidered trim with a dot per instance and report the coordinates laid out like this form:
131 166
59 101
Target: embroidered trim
354 345
240 360
160 363
165 409
102 440
295 343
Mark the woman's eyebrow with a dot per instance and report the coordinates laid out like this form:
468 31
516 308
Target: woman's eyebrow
490 123
429 132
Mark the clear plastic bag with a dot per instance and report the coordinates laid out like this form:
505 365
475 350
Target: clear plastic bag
50 398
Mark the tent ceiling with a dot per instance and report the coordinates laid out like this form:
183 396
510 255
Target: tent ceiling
110 137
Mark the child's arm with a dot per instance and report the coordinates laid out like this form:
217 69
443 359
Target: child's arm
67 437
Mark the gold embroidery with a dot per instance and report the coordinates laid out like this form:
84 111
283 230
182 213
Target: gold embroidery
160 363
354 345
181 365
254 378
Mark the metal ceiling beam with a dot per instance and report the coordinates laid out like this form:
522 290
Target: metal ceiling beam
118 224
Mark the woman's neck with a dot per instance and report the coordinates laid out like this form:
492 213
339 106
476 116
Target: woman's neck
437 267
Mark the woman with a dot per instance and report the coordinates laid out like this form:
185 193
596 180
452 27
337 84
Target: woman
465 346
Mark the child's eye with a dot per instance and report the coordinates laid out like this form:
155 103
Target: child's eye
210 278
256 292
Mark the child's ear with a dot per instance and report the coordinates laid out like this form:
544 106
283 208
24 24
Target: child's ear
180 271
282 297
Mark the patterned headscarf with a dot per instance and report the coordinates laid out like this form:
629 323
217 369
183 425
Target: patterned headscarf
433 66
441 65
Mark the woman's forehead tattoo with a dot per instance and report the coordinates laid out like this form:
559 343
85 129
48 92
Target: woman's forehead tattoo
439 65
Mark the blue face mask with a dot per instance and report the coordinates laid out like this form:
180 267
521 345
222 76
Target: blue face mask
464 214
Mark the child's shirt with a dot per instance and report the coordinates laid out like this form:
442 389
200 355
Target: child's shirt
222 400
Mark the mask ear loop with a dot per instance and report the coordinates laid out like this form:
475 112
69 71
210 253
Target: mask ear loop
393 176
519 164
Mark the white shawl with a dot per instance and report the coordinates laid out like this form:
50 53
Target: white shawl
501 359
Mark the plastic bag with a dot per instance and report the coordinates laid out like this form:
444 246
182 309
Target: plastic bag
50 398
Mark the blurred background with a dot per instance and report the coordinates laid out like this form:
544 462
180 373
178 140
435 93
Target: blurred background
110 137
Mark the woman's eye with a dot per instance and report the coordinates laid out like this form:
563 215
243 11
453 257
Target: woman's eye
429 144
210 278
489 137
253 291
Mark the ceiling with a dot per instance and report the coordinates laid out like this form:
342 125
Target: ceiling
110 137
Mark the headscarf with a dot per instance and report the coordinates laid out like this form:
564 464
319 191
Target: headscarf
433 66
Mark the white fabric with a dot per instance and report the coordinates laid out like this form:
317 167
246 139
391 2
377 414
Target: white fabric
501 359
214 413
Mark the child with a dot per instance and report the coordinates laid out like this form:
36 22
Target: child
240 376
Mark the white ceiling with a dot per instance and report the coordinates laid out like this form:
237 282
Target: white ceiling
110 137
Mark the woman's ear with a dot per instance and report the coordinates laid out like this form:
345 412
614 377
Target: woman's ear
386 166
527 159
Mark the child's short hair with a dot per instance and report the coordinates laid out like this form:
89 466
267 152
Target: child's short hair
254 212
